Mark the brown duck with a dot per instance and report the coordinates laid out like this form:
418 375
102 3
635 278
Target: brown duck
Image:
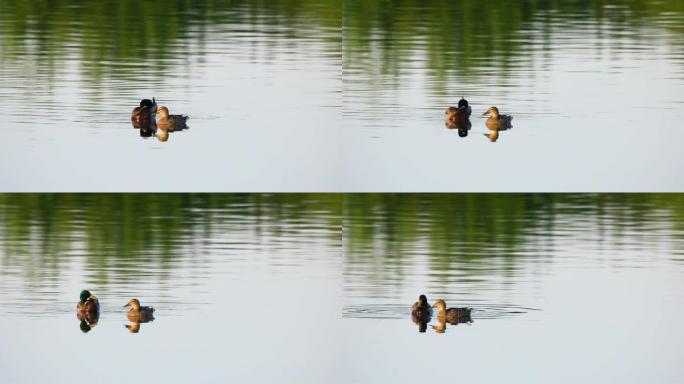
452 315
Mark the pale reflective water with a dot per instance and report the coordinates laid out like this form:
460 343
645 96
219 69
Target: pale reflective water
595 89
312 288
246 287
564 288
342 95
260 81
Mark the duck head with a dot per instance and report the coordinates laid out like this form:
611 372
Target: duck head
493 112
463 103
163 111
86 295
440 305
422 301
134 304
146 103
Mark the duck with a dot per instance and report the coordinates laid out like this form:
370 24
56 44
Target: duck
421 310
452 315
170 122
88 304
87 311
458 114
138 313
496 120
141 117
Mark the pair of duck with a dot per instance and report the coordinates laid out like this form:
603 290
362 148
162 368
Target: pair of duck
88 310
142 116
460 116
422 311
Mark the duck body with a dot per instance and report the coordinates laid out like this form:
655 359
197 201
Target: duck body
138 313
497 120
88 311
421 310
452 315
169 122
88 305
458 115
141 117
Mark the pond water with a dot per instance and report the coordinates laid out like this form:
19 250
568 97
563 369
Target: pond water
266 288
342 95
260 81
595 89
245 287
564 288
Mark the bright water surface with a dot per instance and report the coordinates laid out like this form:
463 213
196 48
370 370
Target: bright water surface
246 288
595 89
342 96
564 288
264 288
260 81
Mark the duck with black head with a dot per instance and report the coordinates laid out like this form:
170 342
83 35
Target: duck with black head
421 309
460 114
141 116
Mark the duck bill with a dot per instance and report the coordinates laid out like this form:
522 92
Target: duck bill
92 297
486 113
127 305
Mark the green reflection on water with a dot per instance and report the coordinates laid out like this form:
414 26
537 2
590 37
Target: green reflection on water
449 228
128 39
468 38
117 231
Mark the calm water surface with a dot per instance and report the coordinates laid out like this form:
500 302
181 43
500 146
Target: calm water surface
245 287
595 88
260 81
564 288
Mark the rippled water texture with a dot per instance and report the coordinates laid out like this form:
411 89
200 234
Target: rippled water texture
595 89
260 81
245 287
317 288
342 95
564 288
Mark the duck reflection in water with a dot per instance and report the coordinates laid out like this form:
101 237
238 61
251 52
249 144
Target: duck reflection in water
421 313
462 127
87 311
138 314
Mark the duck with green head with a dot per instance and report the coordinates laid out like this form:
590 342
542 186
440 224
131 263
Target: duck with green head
88 310
88 303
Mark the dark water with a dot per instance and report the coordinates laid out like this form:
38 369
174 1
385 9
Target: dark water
595 89
245 287
564 288
259 80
